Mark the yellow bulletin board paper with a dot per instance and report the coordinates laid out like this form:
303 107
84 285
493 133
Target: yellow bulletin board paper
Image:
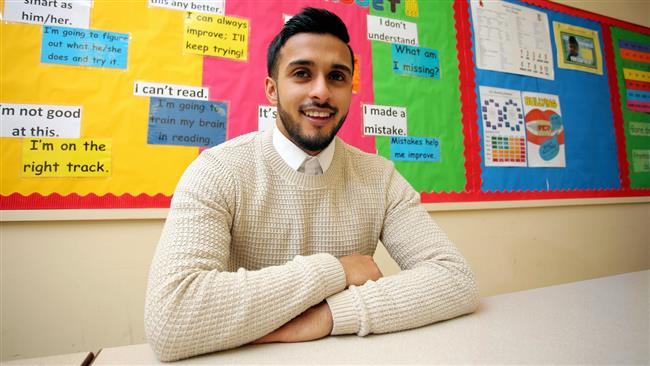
637 75
110 110
215 35
84 157
578 48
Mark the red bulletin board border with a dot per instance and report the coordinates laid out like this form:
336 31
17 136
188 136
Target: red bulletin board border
36 201
530 195
617 111
467 97
472 155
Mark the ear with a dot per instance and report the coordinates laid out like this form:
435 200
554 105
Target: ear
271 90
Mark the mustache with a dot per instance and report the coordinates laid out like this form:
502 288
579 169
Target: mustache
325 105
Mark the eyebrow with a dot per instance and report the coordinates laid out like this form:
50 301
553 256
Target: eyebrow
300 62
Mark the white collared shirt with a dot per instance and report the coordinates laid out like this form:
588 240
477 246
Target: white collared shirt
294 156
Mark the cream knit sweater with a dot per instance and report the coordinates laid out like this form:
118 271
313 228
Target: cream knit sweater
250 244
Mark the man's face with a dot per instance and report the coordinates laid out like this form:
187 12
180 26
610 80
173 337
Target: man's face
312 89
573 48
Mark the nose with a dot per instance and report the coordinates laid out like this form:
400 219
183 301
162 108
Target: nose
320 89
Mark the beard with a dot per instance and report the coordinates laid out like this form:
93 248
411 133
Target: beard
318 141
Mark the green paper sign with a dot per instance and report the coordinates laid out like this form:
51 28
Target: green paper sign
433 105
636 124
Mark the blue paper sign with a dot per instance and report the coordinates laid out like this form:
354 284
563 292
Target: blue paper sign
84 47
634 46
416 61
186 122
414 149
638 95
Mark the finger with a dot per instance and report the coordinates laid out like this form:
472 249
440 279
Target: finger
269 338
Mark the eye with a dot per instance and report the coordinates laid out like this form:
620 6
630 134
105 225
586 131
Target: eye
337 76
301 73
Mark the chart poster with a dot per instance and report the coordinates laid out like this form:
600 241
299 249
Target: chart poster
632 56
504 131
512 38
544 130
578 48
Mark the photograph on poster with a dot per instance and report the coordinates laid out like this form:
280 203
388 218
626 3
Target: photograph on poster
578 48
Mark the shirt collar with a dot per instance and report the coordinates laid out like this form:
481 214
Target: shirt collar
294 156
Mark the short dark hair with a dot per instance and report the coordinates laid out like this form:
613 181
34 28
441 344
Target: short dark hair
309 20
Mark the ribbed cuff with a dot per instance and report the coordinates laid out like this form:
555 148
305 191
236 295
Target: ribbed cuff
344 313
333 273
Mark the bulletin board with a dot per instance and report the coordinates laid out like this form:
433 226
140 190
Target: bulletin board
104 104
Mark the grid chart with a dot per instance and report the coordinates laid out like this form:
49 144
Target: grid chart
508 149
505 142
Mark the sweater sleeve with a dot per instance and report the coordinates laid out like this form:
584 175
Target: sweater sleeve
435 283
193 304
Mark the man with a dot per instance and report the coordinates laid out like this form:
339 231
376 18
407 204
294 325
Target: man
270 235
574 48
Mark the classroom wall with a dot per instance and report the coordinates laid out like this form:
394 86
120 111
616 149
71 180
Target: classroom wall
78 285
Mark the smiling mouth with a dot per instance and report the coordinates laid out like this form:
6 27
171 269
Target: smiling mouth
318 114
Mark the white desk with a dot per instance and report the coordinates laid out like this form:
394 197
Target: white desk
72 359
601 321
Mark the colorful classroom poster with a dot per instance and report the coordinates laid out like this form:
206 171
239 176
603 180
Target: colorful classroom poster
84 47
632 55
544 130
641 161
53 12
39 120
392 30
216 35
186 122
512 38
384 120
200 6
414 149
578 48
266 117
163 90
416 61
82 158
504 131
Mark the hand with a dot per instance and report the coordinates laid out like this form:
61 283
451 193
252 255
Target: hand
316 322
359 269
